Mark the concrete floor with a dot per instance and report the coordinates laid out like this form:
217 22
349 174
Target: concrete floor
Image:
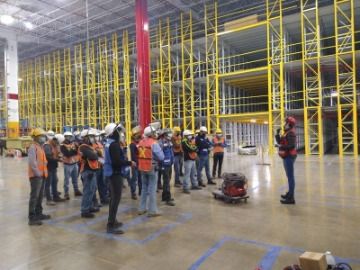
200 232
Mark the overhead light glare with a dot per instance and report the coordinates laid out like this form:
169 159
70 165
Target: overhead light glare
253 121
7 19
20 80
266 122
334 94
29 25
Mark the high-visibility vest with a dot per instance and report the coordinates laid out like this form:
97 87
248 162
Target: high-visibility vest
54 149
284 141
218 148
41 162
73 159
145 155
93 164
176 141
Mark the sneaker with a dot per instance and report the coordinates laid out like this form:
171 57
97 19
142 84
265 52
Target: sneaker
170 203
157 214
142 212
114 230
134 197
201 184
59 199
288 200
35 222
78 193
186 191
196 188
87 215
43 217
211 182
67 196
50 202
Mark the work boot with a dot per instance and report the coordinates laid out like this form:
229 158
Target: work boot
288 200
186 191
284 196
114 230
118 224
59 199
196 188
133 196
170 203
211 182
201 184
50 202
35 222
67 196
43 217
78 193
105 202
94 209
87 215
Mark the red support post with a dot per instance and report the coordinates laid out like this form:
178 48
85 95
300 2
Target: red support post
143 62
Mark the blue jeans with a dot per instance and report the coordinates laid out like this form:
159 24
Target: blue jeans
149 186
289 169
190 171
89 182
71 171
203 162
177 166
51 191
136 178
101 186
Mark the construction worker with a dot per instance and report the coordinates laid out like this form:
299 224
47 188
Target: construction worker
52 152
204 145
178 154
89 167
135 139
218 150
115 167
150 154
101 186
70 154
165 137
190 155
37 171
287 151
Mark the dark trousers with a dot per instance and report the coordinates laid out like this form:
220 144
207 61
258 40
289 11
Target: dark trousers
159 184
101 186
51 191
136 177
218 158
166 174
116 185
289 169
1 150
37 185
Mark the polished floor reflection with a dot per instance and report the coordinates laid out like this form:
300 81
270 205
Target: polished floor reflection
199 232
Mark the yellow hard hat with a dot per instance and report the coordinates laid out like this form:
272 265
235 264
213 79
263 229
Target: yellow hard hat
136 130
218 131
177 129
37 132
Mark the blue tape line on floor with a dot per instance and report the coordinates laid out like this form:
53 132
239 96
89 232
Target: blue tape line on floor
268 261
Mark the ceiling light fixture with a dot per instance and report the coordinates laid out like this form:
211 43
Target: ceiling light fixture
334 94
7 19
29 25
253 121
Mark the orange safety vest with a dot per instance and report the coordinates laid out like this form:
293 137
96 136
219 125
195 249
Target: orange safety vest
193 155
145 154
93 164
218 148
284 141
54 149
71 160
41 162
176 140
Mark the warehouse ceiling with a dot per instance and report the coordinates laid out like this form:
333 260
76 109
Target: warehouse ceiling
60 23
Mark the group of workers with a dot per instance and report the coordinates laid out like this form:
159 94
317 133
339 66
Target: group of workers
101 159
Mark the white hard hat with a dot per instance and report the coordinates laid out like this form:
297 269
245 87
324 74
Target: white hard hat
109 129
149 131
203 129
102 132
84 133
188 132
50 133
76 133
60 138
68 133
92 132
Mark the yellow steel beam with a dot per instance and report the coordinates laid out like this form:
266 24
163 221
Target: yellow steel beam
39 101
57 91
68 88
115 77
127 90
21 86
48 93
30 93
91 84
104 82
79 87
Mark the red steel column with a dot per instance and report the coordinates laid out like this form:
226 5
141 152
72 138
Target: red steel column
143 63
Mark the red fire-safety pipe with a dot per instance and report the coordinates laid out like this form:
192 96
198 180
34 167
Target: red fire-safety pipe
143 63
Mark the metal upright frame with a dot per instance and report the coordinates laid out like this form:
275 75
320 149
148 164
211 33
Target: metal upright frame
68 89
312 83
115 77
212 66
39 115
79 86
48 93
126 78
58 123
104 82
165 74
187 70
92 116
346 77
30 93
275 37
